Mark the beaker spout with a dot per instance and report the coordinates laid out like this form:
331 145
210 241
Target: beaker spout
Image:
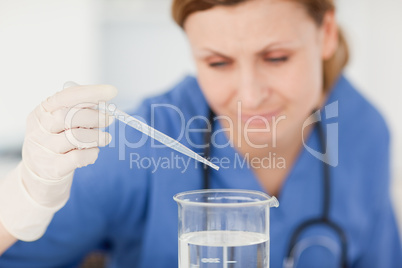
273 202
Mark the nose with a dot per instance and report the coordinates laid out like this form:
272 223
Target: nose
252 88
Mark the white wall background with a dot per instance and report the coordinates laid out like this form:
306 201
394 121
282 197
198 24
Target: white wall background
134 45
42 44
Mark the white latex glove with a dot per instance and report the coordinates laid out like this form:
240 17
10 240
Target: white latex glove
62 134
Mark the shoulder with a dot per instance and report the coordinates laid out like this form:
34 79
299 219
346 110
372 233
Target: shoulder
363 142
360 122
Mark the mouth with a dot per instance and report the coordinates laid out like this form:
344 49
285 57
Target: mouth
260 118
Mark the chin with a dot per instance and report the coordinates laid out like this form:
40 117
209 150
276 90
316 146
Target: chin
259 140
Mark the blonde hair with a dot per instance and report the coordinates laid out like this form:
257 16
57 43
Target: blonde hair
333 66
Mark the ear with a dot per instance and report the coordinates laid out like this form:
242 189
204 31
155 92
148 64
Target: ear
329 29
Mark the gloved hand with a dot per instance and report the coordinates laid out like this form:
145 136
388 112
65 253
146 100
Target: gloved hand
62 134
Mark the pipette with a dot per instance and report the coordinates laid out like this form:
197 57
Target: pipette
155 134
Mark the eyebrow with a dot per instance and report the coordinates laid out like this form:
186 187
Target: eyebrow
204 52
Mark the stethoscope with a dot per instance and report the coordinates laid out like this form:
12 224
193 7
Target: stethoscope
324 219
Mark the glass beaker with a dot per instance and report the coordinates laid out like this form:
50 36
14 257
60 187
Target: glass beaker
224 228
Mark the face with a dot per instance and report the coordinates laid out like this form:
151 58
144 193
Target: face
259 64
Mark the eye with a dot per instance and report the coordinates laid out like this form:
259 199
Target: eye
278 59
218 64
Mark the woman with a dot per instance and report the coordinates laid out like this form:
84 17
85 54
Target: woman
263 68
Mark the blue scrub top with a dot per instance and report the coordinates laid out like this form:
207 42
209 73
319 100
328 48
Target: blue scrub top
123 203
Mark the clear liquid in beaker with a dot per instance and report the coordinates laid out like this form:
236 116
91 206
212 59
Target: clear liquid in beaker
223 249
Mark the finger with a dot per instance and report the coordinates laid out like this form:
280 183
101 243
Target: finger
85 139
81 158
86 96
63 164
70 140
50 166
60 120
